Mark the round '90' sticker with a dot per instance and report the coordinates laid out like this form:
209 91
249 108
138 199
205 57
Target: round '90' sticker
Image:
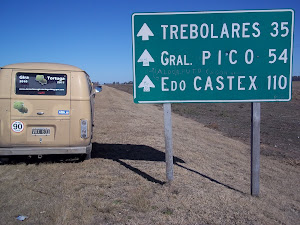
17 126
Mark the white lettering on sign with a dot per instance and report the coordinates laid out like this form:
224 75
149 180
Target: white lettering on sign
163 84
283 28
204 30
219 83
205 55
193 31
173 85
197 88
248 53
252 85
248 56
230 57
208 84
183 31
283 56
240 88
173 31
280 82
233 30
224 31
245 33
173 60
214 57
164 27
182 85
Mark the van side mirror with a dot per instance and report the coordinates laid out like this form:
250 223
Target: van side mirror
98 89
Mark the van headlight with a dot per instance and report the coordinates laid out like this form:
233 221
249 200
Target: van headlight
84 128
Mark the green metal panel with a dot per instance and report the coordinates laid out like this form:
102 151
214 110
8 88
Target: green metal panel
221 56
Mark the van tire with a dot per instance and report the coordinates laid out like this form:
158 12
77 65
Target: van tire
4 160
84 157
88 156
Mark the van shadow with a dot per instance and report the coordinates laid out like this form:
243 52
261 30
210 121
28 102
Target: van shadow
29 160
120 152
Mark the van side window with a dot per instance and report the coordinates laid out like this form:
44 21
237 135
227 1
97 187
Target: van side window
41 84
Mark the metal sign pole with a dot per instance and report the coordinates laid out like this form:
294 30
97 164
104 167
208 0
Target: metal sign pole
255 148
168 141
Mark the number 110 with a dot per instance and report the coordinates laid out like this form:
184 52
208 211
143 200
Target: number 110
281 82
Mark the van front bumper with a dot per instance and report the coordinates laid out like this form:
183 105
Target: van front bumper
46 150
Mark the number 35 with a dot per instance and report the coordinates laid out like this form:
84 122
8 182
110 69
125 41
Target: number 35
283 28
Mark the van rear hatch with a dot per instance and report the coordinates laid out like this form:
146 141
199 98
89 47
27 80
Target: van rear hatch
40 108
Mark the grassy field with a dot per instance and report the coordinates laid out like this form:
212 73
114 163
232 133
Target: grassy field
280 122
125 180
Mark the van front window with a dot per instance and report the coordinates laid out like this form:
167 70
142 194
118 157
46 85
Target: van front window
41 84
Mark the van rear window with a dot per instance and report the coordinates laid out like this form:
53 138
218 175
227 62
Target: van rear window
41 84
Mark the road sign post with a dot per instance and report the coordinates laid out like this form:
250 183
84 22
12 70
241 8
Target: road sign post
168 141
255 148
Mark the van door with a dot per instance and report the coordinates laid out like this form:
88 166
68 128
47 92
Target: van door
40 108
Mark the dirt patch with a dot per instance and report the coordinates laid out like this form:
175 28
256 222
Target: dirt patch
124 182
280 122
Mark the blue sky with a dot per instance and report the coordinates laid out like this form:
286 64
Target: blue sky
96 35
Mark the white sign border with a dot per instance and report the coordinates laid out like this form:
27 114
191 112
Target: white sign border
213 12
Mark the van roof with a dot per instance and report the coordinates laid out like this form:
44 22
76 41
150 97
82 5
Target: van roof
42 66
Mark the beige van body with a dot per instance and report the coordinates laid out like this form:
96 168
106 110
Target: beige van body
45 108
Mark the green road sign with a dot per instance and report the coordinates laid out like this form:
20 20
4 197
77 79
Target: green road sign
222 56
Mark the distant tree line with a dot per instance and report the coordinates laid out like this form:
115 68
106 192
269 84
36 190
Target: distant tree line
296 78
116 83
96 83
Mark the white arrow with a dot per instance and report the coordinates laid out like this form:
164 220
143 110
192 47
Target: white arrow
145 32
146 84
146 58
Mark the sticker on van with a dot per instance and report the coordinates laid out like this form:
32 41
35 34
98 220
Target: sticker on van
41 79
41 84
63 112
17 126
20 107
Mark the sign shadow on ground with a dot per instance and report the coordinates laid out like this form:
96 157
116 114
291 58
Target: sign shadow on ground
119 152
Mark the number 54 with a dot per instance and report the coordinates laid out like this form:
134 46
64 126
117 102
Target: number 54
283 56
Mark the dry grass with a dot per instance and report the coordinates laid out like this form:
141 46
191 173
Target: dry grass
280 122
123 183
214 126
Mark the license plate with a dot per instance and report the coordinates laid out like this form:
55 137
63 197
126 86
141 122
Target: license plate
41 131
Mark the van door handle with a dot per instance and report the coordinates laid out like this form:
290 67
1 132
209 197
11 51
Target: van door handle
40 113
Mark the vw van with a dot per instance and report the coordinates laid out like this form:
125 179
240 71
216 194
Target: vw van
45 108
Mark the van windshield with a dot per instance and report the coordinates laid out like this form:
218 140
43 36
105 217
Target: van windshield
41 84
